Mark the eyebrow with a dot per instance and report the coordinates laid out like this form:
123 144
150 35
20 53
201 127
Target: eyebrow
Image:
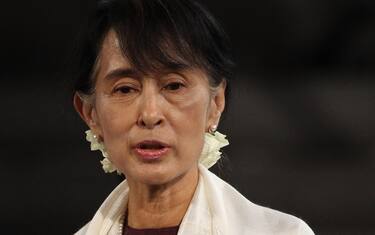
122 72
129 72
176 66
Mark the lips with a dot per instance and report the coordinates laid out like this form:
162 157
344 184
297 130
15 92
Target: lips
151 144
151 149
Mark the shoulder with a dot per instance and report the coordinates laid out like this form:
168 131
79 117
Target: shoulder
275 222
250 217
109 213
83 230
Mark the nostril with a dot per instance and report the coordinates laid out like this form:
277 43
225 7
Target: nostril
150 123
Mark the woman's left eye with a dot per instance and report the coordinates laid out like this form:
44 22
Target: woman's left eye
173 86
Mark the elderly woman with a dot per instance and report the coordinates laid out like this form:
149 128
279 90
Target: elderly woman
152 86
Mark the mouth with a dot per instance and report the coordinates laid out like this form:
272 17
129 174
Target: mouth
151 149
151 144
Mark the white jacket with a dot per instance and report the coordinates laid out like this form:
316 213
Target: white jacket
216 209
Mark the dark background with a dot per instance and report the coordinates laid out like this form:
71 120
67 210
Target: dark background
300 119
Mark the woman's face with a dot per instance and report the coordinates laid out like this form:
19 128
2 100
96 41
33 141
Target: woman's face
152 125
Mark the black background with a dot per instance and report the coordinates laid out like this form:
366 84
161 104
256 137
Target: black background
300 119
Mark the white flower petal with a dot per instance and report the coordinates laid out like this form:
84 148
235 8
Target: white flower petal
108 167
212 144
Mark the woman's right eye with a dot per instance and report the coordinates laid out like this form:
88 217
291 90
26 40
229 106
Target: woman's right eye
124 90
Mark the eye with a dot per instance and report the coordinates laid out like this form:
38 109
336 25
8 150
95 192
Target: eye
173 86
124 89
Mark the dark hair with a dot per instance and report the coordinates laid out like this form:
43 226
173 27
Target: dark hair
156 34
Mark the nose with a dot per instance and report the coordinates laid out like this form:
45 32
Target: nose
150 114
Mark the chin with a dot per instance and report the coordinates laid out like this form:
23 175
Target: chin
154 174
155 180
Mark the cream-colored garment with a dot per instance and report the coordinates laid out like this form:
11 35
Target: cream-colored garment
216 209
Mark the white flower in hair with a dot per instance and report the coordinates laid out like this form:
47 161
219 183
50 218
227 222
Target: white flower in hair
209 156
211 149
107 165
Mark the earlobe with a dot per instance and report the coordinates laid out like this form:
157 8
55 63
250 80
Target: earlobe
86 112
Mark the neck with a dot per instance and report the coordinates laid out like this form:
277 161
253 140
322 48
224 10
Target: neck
159 206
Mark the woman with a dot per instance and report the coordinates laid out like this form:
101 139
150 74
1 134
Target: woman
152 89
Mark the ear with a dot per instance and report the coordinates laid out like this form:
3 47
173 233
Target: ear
217 104
87 112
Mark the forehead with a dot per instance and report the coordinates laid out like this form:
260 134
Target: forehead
111 57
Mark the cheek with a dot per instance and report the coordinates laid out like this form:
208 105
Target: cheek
194 117
115 121
194 109
190 124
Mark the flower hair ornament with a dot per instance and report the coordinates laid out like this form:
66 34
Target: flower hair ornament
213 142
